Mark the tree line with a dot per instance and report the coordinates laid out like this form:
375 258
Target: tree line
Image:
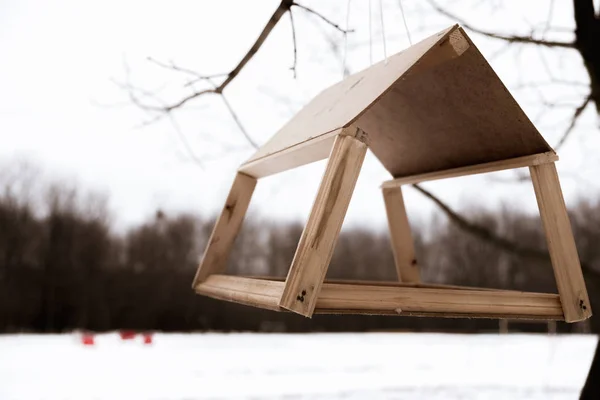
67 268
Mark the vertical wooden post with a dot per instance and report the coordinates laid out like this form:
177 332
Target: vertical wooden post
400 236
226 228
561 245
319 237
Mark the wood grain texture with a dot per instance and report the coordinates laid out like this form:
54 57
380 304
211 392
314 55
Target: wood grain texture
400 236
511 163
452 301
248 291
391 299
214 260
561 244
320 235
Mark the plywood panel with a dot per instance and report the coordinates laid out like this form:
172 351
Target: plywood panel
451 115
338 105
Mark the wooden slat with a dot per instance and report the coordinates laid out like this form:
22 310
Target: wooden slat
295 156
561 244
519 162
390 284
227 227
320 235
400 236
526 317
248 291
450 301
392 299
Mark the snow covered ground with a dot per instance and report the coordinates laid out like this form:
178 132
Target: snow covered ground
275 366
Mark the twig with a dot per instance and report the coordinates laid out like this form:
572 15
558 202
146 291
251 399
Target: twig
576 114
508 38
295 45
172 66
311 11
238 122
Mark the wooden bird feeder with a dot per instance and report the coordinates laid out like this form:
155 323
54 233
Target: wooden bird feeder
435 110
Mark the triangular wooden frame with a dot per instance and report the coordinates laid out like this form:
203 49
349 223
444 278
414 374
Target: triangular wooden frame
376 109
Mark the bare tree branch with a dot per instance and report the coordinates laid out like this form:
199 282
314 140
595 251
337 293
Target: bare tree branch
576 114
508 38
283 7
295 45
492 238
480 231
172 66
238 122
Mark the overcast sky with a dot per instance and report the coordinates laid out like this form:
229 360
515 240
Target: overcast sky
61 110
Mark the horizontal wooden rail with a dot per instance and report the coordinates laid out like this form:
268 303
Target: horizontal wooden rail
391 299
519 162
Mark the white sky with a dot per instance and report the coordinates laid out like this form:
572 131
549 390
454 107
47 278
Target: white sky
60 109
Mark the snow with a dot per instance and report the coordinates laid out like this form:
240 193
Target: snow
311 366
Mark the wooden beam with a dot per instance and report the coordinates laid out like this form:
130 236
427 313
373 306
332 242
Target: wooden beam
561 244
320 235
226 228
400 236
390 284
248 291
443 301
525 161
303 153
391 299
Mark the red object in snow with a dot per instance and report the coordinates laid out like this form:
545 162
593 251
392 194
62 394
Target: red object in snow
127 335
87 339
147 338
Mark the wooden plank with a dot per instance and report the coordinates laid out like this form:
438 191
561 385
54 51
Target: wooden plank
519 162
251 292
400 236
320 235
339 105
390 284
392 299
450 301
291 157
298 155
226 228
561 244
391 313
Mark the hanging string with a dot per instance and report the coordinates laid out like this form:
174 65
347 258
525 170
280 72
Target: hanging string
404 20
346 39
383 31
370 37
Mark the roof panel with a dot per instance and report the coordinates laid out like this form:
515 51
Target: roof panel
341 103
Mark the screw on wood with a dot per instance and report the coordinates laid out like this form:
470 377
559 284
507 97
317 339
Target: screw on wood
300 297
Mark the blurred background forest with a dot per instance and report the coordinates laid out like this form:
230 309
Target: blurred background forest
63 267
